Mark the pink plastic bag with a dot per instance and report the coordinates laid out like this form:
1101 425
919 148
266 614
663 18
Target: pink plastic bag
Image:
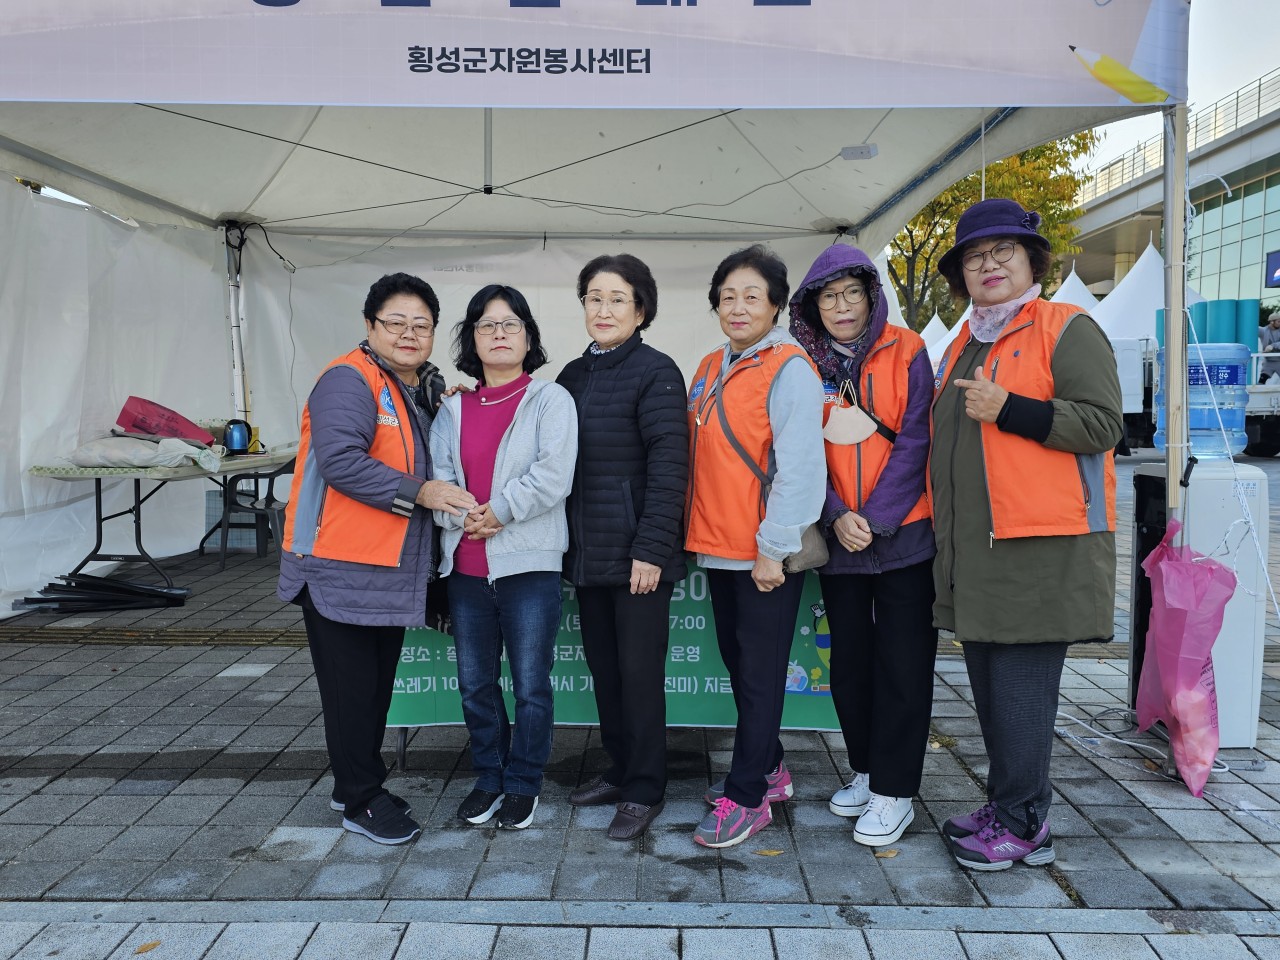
140 417
1188 596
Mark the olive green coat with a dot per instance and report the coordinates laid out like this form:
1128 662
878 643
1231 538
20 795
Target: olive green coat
1028 589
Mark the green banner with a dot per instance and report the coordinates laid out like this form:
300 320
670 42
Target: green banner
698 693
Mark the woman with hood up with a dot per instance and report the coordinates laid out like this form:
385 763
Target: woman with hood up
878 583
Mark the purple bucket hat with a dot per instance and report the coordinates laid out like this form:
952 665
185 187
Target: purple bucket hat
996 217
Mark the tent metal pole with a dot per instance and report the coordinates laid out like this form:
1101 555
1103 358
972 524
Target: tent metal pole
488 150
239 376
1175 287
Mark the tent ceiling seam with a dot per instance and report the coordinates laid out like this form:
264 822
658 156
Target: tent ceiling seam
612 150
785 178
98 180
305 146
270 180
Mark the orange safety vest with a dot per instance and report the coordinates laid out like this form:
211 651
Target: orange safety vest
1035 491
319 520
883 388
726 501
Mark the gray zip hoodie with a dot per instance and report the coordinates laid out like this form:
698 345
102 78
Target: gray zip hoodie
532 476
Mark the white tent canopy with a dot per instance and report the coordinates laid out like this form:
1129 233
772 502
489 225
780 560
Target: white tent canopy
937 348
214 114
1129 311
934 330
1074 291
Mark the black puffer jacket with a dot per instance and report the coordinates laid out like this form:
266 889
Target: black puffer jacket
628 491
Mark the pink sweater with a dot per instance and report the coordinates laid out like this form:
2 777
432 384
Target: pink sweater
486 415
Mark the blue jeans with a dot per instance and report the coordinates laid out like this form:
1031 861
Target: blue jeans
522 614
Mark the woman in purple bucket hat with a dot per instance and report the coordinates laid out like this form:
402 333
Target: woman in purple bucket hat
1026 415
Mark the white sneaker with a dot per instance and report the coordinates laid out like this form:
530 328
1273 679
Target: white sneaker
885 820
851 799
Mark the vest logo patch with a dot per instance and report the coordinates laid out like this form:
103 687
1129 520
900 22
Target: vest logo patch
698 387
385 421
387 404
830 391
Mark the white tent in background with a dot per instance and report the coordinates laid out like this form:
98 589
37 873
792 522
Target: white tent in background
1129 311
891 294
934 330
1074 291
938 346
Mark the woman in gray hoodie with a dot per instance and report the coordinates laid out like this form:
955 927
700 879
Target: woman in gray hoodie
512 444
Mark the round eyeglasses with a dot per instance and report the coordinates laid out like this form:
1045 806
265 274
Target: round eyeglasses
593 303
853 295
1001 253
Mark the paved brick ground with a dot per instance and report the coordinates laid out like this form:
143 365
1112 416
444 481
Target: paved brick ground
170 792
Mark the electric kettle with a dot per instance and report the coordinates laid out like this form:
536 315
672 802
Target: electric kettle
235 437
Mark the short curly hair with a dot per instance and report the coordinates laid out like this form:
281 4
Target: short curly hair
397 283
631 269
763 261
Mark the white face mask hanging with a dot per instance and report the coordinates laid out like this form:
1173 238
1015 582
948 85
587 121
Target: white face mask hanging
847 423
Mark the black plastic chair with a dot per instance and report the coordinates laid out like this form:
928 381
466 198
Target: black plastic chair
268 507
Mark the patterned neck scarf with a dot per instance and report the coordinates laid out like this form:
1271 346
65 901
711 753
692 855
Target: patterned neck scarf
987 323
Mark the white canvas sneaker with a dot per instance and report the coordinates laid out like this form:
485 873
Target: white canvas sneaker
884 821
851 799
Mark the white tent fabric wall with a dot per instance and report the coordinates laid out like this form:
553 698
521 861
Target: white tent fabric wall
891 293
94 310
297 323
1074 291
938 346
934 330
1129 311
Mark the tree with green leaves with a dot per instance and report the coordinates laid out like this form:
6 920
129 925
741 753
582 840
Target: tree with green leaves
1043 179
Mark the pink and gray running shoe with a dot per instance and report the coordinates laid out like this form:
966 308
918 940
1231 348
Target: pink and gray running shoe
994 847
777 787
730 823
969 823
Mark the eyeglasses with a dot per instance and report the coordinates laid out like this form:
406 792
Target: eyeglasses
593 303
853 295
1001 253
423 331
487 328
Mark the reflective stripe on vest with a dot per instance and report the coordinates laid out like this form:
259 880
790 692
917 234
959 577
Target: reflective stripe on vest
1034 491
883 388
725 502
322 522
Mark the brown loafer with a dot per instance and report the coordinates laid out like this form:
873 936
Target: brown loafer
595 792
633 819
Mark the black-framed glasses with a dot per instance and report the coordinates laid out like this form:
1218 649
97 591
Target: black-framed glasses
1002 252
853 295
487 328
422 331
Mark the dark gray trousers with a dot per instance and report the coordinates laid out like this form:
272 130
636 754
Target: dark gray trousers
1015 691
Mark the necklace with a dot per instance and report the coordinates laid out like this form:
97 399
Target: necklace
486 402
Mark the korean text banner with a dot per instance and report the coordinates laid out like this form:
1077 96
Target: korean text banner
698 692
594 53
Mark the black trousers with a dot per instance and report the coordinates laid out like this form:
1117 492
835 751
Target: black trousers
1015 692
883 646
355 671
625 637
754 631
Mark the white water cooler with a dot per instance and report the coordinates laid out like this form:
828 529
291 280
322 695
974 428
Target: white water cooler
1211 508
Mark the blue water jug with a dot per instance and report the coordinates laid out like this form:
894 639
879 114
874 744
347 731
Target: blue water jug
1214 371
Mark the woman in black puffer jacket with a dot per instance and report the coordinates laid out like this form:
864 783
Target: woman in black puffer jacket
625 531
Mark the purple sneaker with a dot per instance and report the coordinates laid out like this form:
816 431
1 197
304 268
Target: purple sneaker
729 823
777 787
994 847
969 823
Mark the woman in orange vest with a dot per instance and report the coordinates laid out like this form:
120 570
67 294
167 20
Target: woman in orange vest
756 481
358 540
1022 474
877 586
